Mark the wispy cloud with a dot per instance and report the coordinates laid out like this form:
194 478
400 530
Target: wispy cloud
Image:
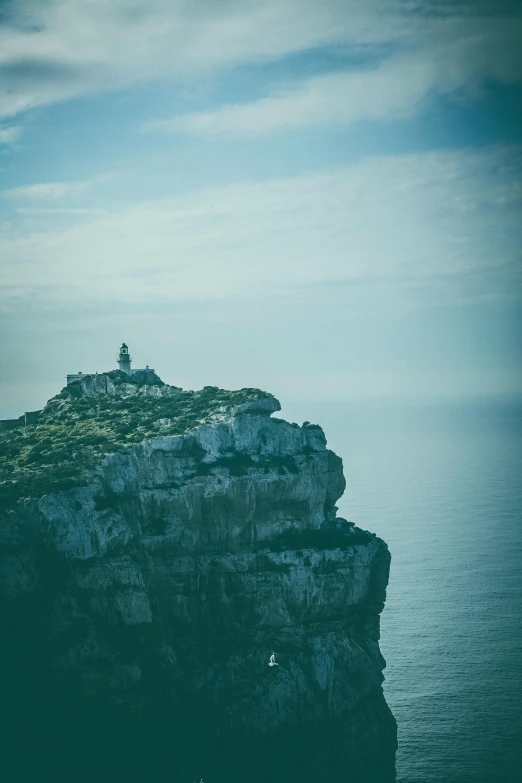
433 227
52 191
57 50
74 211
10 134
455 61
45 191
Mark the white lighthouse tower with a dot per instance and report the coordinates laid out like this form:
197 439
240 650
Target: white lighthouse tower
124 359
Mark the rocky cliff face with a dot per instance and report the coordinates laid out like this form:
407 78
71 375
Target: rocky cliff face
141 604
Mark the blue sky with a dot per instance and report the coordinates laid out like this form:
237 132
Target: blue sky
319 197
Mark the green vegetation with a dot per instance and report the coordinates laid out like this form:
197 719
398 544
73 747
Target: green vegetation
75 433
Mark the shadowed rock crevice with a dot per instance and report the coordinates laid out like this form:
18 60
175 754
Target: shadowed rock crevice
140 605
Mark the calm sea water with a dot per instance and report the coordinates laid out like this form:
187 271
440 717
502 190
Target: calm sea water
443 486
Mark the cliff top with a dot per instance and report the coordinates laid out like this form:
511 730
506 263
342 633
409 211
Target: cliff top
101 414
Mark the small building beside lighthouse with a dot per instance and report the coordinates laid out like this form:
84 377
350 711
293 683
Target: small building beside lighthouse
124 364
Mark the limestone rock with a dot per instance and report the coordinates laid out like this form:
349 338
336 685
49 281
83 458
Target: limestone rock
156 592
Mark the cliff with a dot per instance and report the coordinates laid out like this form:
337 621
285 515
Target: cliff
157 547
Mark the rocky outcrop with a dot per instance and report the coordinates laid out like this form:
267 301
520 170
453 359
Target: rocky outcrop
141 609
115 382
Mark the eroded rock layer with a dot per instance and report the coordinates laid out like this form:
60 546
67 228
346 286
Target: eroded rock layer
140 609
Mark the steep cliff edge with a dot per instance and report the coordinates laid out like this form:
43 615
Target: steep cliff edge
157 546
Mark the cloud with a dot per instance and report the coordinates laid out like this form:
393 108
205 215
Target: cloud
52 191
387 231
45 191
58 50
458 60
60 211
8 135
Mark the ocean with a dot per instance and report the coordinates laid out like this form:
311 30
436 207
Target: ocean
442 485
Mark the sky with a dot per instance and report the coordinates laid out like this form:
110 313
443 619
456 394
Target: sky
321 198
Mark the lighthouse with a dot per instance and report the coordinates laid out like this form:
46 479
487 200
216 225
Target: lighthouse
124 359
124 363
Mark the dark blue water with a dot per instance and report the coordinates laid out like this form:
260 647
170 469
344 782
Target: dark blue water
443 486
